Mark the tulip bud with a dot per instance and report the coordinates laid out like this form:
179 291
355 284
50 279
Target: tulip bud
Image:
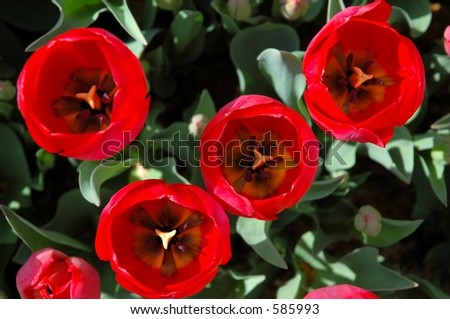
50 274
7 90
198 123
169 5
368 221
447 40
294 9
240 10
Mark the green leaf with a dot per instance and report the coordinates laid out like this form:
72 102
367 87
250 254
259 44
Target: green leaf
93 174
36 238
249 282
435 172
427 141
442 123
74 216
248 44
284 71
185 29
205 105
122 13
255 233
73 14
228 22
14 172
429 289
334 7
7 236
314 10
341 155
392 231
397 156
323 188
290 289
437 67
371 275
419 13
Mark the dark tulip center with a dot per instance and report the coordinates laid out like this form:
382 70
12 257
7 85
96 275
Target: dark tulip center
256 165
87 102
355 80
258 158
170 241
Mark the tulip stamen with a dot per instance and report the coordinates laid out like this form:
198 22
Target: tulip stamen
260 160
91 98
166 237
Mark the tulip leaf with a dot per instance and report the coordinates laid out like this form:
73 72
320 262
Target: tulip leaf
185 29
74 216
73 14
314 10
7 236
371 275
284 70
431 291
249 282
290 289
14 172
255 233
334 7
36 238
419 14
93 174
392 231
430 139
434 171
360 267
397 156
248 44
341 155
122 13
228 22
323 188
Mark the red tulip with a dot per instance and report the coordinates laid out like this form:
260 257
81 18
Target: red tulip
163 241
83 95
341 292
258 157
363 77
447 40
50 274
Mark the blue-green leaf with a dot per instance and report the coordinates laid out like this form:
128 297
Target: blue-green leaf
392 231
290 289
323 188
36 238
284 70
185 29
334 7
255 233
434 170
122 13
419 13
248 44
341 155
93 174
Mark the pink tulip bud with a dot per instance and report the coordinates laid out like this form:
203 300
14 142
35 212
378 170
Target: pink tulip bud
368 221
447 40
50 274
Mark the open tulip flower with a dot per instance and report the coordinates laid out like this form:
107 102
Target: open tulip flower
163 240
363 77
83 95
258 157
50 274
342 291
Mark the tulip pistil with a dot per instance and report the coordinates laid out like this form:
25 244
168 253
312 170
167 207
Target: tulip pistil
91 98
166 237
170 241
